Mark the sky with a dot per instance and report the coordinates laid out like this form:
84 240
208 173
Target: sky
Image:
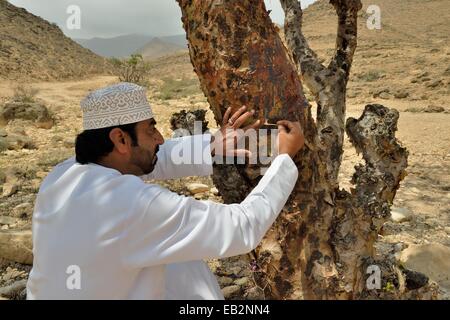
109 18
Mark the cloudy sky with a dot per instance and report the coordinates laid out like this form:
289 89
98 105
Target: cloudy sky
108 18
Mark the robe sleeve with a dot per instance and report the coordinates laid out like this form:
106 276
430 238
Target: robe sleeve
183 157
169 228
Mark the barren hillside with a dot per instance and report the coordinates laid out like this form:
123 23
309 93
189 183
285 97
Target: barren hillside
32 48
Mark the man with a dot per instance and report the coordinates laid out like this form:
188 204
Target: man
100 232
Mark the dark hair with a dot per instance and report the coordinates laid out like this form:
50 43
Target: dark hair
92 145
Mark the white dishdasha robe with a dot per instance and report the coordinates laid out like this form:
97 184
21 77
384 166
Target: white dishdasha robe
99 234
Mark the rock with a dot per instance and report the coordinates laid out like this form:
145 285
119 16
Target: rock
401 94
384 95
13 274
242 282
378 93
235 270
400 215
195 188
15 141
7 220
56 139
34 111
415 280
231 291
225 281
432 259
9 188
23 210
4 227
16 246
434 109
434 84
69 143
14 291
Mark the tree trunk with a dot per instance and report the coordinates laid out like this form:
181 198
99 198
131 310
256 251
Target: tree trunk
323 241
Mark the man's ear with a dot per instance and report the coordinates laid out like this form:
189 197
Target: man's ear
120 140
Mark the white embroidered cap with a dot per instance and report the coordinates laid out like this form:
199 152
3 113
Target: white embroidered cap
119 104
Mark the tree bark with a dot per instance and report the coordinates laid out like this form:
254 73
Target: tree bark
322 242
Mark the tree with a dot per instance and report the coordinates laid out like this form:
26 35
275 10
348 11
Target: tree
322 244
133 69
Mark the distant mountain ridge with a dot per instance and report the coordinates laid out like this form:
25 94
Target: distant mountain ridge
158 48
125 45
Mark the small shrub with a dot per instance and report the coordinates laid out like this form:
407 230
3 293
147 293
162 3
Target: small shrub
371 76
134 69
24 93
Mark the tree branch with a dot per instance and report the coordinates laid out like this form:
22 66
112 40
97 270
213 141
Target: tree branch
377 181
346 40
305 58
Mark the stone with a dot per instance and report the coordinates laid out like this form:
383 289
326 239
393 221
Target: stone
15 290
242 281
10 188
384 95
225 281
433 260
69 143
7 220
22 210
231 291
415 280
16 141
16 246
34 111
235 270
434 84
401 94
434 109
195 188
400 215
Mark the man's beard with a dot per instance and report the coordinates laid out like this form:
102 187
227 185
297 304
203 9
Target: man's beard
146 163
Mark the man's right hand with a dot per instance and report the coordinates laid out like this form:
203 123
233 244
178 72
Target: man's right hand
290 137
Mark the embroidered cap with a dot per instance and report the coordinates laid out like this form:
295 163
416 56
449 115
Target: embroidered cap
119 104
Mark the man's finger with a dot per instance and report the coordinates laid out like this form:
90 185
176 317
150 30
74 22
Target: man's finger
237 114
281 127
255 125
226 116
289 125
241 120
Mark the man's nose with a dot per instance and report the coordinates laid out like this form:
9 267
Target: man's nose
160 138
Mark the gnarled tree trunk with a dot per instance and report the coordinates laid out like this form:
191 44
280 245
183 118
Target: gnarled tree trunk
323 241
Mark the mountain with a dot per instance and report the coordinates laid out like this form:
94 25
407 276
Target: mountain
121 46
125 45
32 48
178 40
157 48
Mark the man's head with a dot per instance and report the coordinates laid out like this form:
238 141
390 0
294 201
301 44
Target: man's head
120 131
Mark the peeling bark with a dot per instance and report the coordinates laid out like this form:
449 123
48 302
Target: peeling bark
322 241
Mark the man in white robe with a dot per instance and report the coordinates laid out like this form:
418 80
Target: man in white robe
101 232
